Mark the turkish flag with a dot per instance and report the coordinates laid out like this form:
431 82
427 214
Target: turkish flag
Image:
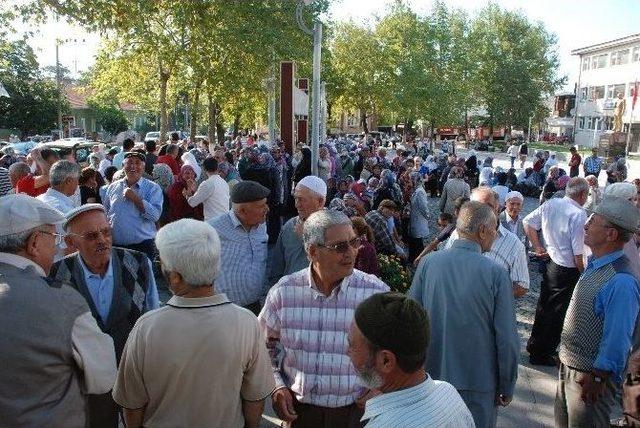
634 94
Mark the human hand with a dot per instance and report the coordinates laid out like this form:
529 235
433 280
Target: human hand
634 363
131 195
282 402
592 391
503 400
518 290
540 252
298 227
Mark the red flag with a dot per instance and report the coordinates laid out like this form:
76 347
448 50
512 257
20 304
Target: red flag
634 95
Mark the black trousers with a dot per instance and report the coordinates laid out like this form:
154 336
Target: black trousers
556 289
415 247
148 247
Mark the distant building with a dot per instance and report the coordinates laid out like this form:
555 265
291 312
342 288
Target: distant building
559 124
350 122
606 69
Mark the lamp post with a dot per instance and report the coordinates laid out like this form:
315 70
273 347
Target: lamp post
59 86
315 108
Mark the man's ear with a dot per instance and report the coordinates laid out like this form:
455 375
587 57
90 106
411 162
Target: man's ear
386 361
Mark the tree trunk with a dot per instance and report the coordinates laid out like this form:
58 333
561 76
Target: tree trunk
220 129
236 125
363 121
164 78
211 132
194 111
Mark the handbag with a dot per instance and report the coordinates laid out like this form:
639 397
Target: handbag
631 400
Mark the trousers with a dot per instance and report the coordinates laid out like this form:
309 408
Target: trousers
482 406
569 409
556 289
310 416
147 246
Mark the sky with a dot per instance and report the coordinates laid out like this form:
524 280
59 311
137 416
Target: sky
577 23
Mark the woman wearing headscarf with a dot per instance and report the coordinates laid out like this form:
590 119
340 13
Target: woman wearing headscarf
454 188
367 257
163 177
418 230
388 189
550 186
229 174
265 172
179 208
486 172
303 168
429 170
472 173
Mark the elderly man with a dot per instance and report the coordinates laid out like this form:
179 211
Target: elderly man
289 255
118 285
472 309
199 361
600 321
63 181
378 221
133 206
52 352
595 194
213 193
510 218
306 318
17 171
562 223
243 234
388 342
507 250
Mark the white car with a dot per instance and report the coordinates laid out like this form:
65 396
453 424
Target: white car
152 136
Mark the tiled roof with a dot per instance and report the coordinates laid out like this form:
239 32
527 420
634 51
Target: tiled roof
77 97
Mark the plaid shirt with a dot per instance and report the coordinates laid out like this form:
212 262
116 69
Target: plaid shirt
383 239
307 336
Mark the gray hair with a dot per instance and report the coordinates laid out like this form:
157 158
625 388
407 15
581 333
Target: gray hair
16 241
474 214
192 249
19 168
484 190
318 223
62 170
576 186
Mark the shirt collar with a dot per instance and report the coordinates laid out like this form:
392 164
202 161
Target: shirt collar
467 245
509 219
59 195
389 401
21 263
89 274
342 287
597 263
198 302
502 230
574 202
235 221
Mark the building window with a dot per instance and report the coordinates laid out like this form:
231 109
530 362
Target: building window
606 123
591 123
581 122
613 90
620 57
596 92
599 61
583 93
585 63
636 54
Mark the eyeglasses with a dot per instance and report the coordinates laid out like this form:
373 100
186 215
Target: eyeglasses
344 246
58 237
93 236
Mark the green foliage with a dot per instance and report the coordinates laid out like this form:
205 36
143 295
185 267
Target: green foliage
394 274
110 117
33 104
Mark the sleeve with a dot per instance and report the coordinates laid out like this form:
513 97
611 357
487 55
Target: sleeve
534 218
577 237
415 291
106 200
277 263
506 334
152 300
258 382
443 198
204 192
618 303
129 391
26 185
94 353
519 271
152 203
269 320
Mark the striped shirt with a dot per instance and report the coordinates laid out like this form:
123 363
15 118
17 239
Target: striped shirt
383 239
244 259
307 336
5 182
509 252
432 403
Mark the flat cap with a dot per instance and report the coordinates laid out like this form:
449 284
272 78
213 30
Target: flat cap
619 212
248 191
135 154
20 213
79 210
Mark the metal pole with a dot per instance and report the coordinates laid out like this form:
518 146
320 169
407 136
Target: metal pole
323 112
529 129
59 85
271 87
315 123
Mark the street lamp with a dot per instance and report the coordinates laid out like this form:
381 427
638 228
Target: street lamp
315 108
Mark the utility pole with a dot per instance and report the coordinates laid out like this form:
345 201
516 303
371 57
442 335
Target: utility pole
529 129
59 86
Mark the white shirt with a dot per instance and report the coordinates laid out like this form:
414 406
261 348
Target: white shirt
104 164
562 222
486 174
432 403
512 150
64 204
213 194
509 252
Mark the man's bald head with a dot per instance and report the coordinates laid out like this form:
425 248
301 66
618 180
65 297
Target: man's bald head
487 196
477 222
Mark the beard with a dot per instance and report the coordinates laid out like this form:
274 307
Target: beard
369 376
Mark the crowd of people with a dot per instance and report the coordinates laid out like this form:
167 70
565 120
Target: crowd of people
277 289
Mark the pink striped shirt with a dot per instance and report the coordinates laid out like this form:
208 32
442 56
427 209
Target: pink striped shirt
307 336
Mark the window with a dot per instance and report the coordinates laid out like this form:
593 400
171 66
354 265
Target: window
585 63
581 122
620 57
613 90
583 93
606 123
596 92
635 57
591 123
599 61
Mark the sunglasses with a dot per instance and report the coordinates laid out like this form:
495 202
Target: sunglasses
93 236
344 246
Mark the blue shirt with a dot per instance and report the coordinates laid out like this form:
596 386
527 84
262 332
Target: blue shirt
101 290
243 259
129 225
118 159
593 164
617 302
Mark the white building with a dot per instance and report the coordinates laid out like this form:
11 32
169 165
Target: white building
606 69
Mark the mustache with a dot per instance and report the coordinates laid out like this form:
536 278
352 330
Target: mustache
101 247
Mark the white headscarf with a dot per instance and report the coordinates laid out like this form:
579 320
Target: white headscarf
189 159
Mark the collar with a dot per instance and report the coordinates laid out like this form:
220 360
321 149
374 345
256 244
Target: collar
502 230
342 287
575 204
466 244
59 195
509 218
21 263
235 221
89 274
597 263
198 302
397 400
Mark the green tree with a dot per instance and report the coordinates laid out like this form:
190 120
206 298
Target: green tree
110 117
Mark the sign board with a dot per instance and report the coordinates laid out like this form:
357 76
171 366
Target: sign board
609 104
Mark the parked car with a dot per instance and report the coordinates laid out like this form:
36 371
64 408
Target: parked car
23 147
80 147
152 136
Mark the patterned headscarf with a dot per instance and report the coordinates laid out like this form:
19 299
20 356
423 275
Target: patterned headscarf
162 175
